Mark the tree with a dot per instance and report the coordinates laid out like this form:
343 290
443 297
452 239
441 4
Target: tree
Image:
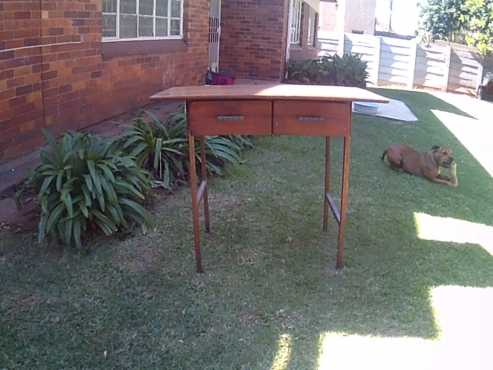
480 25
469 21
443 19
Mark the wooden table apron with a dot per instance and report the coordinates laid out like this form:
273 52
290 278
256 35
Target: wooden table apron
211 113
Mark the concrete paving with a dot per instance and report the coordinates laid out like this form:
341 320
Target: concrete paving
474 128
395 110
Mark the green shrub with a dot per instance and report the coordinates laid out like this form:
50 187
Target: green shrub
307 71
85 184
220 150
348 70
162 148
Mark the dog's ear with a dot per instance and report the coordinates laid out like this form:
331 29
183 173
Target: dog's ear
435 147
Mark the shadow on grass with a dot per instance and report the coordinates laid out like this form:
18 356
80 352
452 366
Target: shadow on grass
270 291
421 103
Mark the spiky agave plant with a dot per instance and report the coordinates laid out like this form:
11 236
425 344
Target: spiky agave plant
159 147
350 70
306 71
85 183
220 150
162 148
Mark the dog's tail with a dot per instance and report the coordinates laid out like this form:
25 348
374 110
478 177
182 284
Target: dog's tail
384 154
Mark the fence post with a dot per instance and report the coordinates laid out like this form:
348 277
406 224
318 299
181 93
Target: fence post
479 80
340 45
446 73
412 62
378 56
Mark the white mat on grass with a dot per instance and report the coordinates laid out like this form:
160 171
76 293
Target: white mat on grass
394 109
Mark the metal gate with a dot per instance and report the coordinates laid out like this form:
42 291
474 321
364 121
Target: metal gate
214 34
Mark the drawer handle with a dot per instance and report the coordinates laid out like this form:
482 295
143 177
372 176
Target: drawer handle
230 117
311 118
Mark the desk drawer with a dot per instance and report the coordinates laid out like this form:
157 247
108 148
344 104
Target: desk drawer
308 118
231 117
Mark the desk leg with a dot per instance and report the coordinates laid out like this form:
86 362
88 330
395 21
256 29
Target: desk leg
195 201
326 183
203 170
344 201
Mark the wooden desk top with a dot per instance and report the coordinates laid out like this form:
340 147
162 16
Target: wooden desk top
269 91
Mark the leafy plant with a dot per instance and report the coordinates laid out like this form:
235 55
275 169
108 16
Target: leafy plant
84 184
220 150
348 70
307 71
162 148
159 147
243 141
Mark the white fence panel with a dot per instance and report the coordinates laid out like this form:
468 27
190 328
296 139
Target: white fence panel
431 71
328 42
403 62
465 68
396 61
365 46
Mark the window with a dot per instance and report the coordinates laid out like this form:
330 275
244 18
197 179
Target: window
312 28
295 22
142 19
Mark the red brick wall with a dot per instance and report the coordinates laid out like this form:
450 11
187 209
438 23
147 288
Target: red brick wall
21 71
253 38
71 84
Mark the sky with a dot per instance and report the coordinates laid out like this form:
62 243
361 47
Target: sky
404 16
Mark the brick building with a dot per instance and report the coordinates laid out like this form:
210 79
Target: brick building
68 64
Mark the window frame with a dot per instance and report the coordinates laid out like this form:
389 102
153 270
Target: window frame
296 22
116 38
312 26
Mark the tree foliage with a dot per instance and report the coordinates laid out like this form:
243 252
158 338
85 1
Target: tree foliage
480 24
443 19
469 21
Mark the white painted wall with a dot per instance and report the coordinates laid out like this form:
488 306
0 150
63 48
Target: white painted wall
328 16
359 15
403 19
348 16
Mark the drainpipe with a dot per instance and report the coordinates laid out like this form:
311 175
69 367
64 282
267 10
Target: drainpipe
288 36
390 15
42 62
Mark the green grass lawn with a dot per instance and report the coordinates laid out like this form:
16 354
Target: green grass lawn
137 303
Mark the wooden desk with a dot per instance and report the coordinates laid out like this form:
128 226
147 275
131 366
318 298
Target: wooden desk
303 110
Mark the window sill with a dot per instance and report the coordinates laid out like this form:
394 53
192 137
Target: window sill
305 47
122 48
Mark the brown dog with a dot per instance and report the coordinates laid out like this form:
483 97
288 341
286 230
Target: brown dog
427 164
